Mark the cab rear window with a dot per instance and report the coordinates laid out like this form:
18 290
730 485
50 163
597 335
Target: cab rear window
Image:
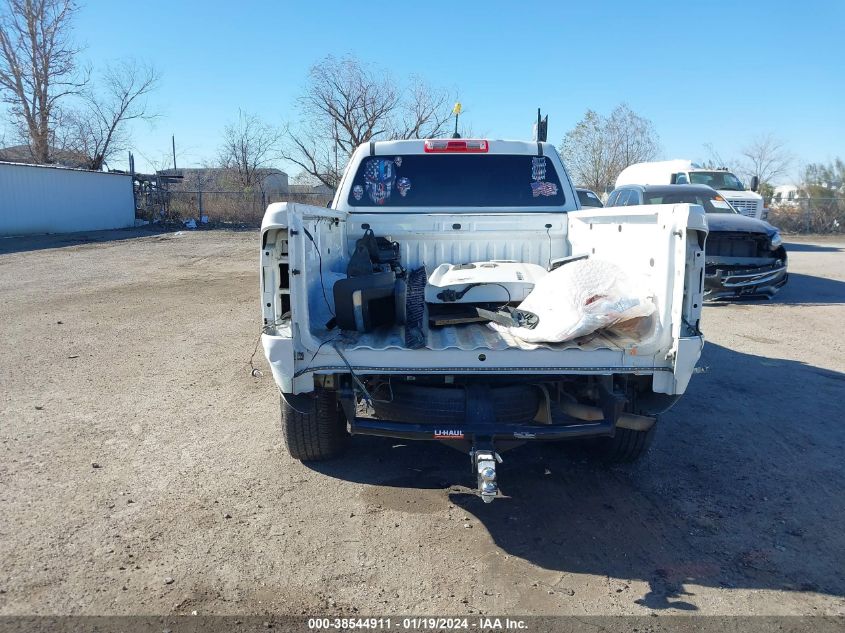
456 180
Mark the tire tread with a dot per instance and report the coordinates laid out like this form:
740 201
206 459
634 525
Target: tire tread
626 445
317 434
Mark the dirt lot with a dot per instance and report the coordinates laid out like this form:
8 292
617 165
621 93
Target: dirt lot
143 471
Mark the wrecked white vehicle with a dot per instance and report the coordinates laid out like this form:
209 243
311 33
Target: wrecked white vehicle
455 291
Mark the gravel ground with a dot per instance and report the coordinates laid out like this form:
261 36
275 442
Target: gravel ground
143 470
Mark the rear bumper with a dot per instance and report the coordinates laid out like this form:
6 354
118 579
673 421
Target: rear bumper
743 282
471 414
490 431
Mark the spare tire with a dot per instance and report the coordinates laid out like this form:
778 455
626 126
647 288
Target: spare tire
512 404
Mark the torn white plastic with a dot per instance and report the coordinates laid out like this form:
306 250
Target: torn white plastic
580 298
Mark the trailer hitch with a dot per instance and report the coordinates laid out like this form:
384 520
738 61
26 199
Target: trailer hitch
482 429
484 462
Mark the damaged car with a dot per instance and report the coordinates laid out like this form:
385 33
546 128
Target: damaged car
744 257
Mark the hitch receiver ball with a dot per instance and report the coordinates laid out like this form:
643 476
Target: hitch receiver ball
485 468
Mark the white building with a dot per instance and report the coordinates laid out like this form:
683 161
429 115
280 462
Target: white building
273 181
47 199
786 195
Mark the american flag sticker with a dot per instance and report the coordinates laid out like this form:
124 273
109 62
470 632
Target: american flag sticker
543 189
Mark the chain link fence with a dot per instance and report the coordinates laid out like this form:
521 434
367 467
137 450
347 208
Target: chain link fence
245 208
809 215
803 215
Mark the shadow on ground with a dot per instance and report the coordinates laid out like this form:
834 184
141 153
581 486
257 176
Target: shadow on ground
803 247
810 290
799 290
23 243
742 488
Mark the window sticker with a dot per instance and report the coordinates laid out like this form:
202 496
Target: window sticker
379 178
720 204
538 168
543 189
357 192
590 194
398 161
404 186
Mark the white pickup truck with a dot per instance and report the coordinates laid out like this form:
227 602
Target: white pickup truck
370 325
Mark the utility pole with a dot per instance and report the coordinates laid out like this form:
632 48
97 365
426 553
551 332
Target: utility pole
199 193
173 140
134 190
337 177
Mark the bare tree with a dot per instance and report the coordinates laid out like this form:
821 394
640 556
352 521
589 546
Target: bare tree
347 103
765 157
249 146
425 111
99 130
598 148
632 136
586 154
38 66
714 157
830 177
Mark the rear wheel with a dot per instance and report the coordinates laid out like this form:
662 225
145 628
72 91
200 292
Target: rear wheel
313 426
625 446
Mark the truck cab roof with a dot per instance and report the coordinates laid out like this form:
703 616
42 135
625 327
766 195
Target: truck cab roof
494 146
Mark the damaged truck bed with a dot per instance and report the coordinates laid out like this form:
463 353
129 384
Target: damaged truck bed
349 293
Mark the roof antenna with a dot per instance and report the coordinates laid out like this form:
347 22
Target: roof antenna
457 112
541 128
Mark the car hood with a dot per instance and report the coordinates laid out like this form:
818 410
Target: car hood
734 222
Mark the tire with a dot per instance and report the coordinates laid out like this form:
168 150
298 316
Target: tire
314 427
624 447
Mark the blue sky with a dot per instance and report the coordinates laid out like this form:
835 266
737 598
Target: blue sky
703 72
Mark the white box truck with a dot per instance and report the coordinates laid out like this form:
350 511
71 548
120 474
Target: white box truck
686 172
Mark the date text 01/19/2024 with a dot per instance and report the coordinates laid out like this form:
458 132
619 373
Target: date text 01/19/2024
418 624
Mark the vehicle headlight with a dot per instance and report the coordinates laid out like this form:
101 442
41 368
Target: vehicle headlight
776 240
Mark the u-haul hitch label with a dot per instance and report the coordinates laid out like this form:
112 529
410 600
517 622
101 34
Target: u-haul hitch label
448 434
